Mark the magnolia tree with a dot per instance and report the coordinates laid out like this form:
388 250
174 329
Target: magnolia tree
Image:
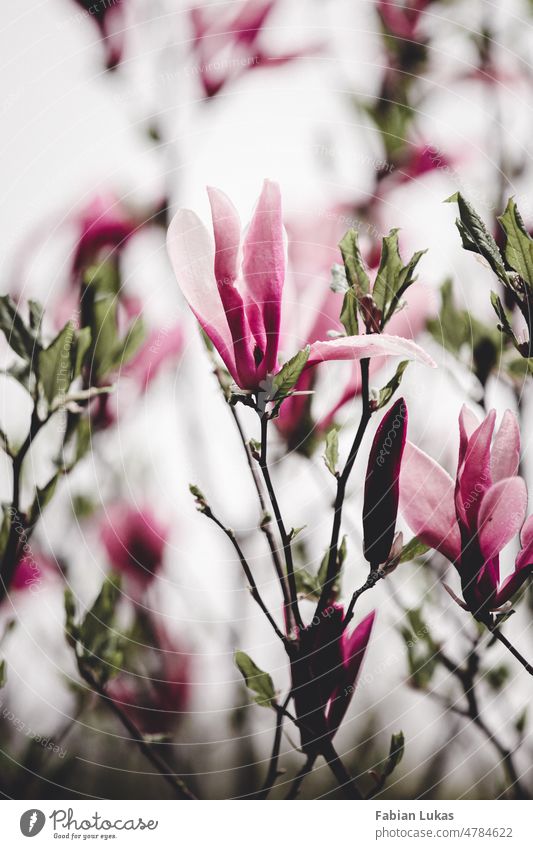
307 326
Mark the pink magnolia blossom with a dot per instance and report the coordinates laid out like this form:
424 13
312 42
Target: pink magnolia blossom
104 227
380 507
472 519
228 43
234 287
135 542
325 672
32 571
156 702
402 18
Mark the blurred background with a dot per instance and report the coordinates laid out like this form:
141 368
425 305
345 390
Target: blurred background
369 114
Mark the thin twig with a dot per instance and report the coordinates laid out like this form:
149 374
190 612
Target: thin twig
285 538
509 646
273 769
342 482
298 781
374 576
165 771
206 510
265 524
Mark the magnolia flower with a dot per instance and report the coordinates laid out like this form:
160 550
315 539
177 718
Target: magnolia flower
234 287
135 542
402 19
156 703
104 227
380 507
227 42
472 519
325 673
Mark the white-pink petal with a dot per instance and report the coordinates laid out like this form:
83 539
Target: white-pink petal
227 230
501 515
505 454
192 255
427 502
369 345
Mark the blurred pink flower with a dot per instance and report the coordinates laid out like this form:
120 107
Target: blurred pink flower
325 672
155 702
135 542
104 227
161 349
401 18
238 305
227 42
472 519
32 571
109 18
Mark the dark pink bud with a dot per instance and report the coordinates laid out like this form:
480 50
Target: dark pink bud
382 484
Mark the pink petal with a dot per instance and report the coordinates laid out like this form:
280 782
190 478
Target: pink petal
427 503
512 584
468 423
192 253
264 265
370 345
501 515
505 455
475 478
227 230
353 649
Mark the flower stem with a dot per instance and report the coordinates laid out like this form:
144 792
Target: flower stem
509 646
177 783
342 482
285 538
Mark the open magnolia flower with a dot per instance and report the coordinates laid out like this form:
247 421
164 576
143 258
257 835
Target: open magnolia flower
472 519
325 673
234 286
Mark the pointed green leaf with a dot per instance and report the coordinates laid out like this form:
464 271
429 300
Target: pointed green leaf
331 453
519 244
83 343
18 335
257 681
476 237
390 388
55 364
396 750
288 376
353 263
3 673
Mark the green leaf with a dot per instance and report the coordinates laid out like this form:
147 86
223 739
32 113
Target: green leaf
331 453
519 244
104 336
505 324
353 263
390 388
71 628
103 279
19 337
396 750
101 644
257 681
414 548
134 339
56 363
83 344
307 585
3 673
452 327
289 374
348 316
389 270
43 497
476 237
496 677
393 277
